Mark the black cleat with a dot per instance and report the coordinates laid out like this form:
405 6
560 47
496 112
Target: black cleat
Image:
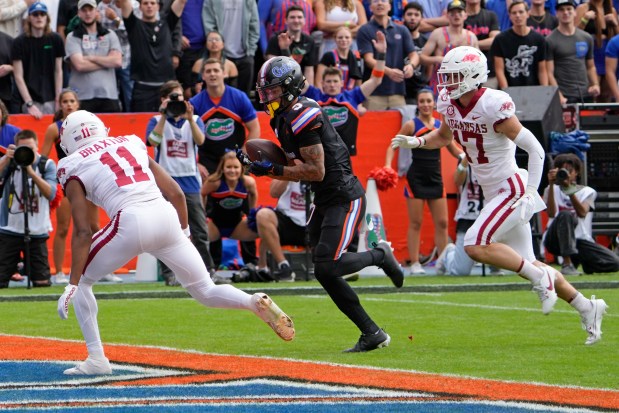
369 342
390 265
285 274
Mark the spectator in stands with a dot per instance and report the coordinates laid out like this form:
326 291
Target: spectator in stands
227 17
333 14
454 260
38 76
7 131
433 14
570 209
94 53
229 118
413 19
230 197
520 52
294 43
41 187
425 182
284 225
574 73
175 134
193 41
612 69
540 20
599 19
345 59
485 25
443 39
11 12
6 69
214 50
151 50
67 11
499 7
400 60
339 106
272 15
110 14
69 103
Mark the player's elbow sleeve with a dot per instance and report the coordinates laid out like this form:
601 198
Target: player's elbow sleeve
529 143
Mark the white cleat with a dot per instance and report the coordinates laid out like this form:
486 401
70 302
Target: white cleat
592 320
545 289
90 367
271 314
111 278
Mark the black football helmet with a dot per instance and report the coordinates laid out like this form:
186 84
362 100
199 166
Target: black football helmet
280 71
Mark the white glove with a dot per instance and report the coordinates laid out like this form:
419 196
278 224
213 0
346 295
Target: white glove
403 141
527 205
65 299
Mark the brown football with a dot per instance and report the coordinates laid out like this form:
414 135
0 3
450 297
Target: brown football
265 150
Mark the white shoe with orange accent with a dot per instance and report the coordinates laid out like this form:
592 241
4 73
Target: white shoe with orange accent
91 367
271 314
545 289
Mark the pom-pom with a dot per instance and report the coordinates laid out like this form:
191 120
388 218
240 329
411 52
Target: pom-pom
55 203
385 177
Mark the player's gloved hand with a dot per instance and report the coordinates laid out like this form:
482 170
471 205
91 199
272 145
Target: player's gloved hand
262 168
65 300
526 203
412 142
242 157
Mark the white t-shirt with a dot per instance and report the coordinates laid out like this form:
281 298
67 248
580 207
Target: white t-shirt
585 196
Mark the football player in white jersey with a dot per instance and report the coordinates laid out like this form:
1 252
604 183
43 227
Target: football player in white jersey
118 175
483 121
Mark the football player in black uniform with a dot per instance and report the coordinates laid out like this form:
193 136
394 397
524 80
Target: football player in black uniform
321 157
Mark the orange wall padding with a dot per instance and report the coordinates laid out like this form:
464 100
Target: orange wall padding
375 132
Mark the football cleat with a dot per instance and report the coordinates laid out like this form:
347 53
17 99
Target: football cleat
369 342
390 265
545 289
271 314
592 320
90 367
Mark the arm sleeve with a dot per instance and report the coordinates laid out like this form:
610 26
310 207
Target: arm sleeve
527 141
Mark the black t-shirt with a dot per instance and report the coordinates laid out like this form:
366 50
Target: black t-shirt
6 43
419 80
304 125
545 25
38 56
67 10
521 55
151 48
351 66
302 51
481 25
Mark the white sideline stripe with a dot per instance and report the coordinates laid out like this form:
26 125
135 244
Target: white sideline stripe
453 304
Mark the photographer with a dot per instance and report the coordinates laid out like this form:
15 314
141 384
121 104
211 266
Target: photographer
41 188
175 134
570 208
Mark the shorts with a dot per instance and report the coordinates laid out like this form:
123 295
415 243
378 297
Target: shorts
289 232
11 252
424 181
333 227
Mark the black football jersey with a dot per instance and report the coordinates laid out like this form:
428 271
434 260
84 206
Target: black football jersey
303 124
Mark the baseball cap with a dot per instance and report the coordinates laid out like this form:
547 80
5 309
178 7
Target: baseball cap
456 4
37 7
565 3
83 3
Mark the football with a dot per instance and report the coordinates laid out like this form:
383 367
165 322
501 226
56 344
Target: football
265 150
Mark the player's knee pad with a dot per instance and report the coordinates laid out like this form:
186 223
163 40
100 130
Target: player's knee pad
324 265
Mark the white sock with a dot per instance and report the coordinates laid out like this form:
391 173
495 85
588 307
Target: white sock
219 296
531 272
281 264
86 309
265 269
580 303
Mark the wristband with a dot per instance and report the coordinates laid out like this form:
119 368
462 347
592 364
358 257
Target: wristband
347 23
461 168
155 137
584 21
186 232
278 170
284 52
378 73
380 56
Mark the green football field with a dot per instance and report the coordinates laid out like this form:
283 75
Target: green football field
487 327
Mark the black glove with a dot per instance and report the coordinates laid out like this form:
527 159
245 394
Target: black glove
262 168
242 157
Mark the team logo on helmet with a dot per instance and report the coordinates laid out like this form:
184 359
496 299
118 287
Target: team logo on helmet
471 57
280 71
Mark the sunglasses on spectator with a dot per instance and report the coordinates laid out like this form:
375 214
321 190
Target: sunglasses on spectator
380 1
38 14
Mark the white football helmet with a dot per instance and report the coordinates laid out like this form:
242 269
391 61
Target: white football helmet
79 129
463 69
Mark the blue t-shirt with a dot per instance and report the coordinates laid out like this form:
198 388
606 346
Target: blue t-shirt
7 135
612 51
